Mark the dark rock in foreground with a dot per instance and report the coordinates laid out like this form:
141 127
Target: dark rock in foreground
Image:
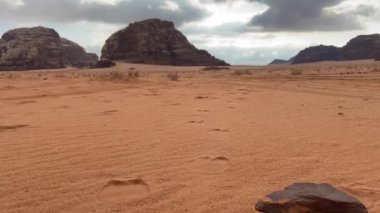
40 48
155 41
76 56
310 198
318 53
104 63
278 62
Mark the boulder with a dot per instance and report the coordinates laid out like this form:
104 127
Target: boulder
76 56
154 41
31 48
317 53
310 198
362 47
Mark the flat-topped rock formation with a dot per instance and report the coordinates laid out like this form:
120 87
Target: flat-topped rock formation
40 48
155 41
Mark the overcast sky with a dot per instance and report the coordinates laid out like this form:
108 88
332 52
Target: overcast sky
238 31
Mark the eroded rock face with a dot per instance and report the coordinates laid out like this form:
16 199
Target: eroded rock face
41 48
31 48
155 41
362 47
310 198
318 53
76 56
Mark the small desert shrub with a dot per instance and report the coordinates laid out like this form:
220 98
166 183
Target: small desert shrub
296 72
116 75
215 68
376 69
242 72
173 76
13 76
133 74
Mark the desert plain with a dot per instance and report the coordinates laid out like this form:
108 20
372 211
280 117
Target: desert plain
111 140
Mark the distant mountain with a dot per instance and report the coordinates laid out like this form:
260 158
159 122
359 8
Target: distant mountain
318 53
279 62
155 41
360 47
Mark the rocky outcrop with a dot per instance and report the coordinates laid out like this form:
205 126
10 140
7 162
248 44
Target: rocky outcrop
358 48
279 62
31 48
318 53
155 41
362 47
40 48
310 198
76 56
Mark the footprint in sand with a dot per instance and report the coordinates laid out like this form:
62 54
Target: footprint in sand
370 196
27 102
13 127
220 130
120 191
109 112
201 97
195 122
210 165
151 94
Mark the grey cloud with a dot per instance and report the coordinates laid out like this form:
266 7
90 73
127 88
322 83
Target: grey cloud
125 11
226 29
305 15
366 10
252 56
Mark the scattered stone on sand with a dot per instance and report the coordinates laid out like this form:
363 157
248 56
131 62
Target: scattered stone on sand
310 198
155 41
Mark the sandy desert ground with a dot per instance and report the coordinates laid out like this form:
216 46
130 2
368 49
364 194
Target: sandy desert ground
214 141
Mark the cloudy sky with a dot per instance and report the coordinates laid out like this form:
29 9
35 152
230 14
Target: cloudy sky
238 31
